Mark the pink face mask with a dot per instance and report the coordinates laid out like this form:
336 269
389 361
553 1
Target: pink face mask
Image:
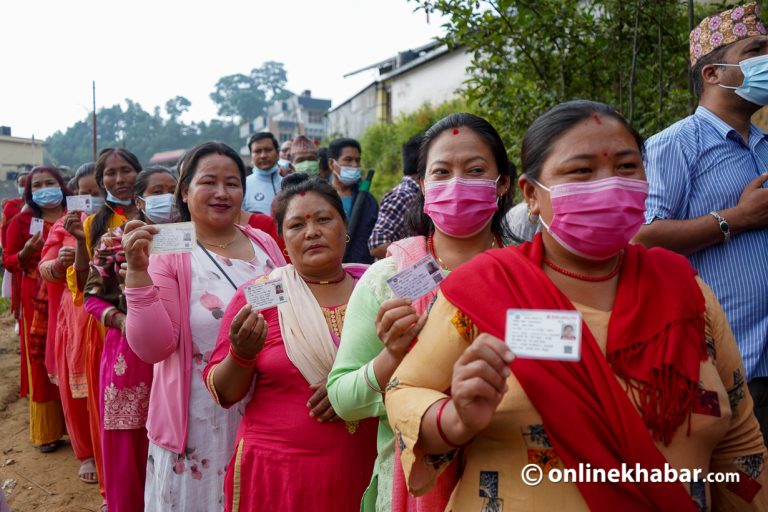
460 207
597 219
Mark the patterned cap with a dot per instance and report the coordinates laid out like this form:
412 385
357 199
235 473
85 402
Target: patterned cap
725 28
301 144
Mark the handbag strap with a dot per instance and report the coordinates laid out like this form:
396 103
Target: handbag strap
217 265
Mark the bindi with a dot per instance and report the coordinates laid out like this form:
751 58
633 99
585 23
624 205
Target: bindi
307 216
597 119
455 131
302 194
605 155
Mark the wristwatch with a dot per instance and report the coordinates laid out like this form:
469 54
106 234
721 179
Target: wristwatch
726 230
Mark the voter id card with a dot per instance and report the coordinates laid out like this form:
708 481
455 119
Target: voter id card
173 238
81 203
35 226
417 280
544 334
265 294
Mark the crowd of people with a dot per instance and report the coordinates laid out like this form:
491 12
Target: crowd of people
178 394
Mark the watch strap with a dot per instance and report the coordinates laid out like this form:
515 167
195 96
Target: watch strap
723 225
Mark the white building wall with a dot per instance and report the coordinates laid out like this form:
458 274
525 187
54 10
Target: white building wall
352 118
434 82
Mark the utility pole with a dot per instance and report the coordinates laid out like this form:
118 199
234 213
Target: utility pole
94 120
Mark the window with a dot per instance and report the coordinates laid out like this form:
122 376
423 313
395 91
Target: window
315 118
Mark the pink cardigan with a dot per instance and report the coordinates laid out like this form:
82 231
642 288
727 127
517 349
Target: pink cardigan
158 330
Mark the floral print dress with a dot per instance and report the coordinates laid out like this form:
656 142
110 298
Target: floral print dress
194 481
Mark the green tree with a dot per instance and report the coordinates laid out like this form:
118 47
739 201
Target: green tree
175 107
248 96
529 56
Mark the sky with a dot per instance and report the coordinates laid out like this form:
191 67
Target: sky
153 50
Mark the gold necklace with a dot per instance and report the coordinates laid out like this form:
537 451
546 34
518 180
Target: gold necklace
495 242
220 246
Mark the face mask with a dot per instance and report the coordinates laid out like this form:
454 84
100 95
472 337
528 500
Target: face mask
349 175
283 163
596 219
272 169
113 199
460 207
160 209
754 88
96 203
47 197
21 191
311 167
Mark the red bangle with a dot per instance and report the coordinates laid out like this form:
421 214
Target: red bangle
248 364
440 427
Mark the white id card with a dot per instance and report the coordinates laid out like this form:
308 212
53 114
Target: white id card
35 226
79 203
544 334
417 280
178 237
266 294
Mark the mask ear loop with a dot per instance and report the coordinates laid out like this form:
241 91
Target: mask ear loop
729 66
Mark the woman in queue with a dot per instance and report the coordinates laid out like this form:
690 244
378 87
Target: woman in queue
659 380
65 341
45 198
125 380
293 452
465 178
175 303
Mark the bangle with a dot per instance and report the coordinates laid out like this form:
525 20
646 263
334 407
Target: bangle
440 427
248 364
368 381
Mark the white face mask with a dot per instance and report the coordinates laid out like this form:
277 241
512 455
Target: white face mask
160 209
754 88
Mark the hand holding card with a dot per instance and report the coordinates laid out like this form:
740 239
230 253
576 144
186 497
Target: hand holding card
81 203
265 294
417 280
544 334
35 226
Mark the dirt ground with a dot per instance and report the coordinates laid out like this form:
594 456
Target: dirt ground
31 480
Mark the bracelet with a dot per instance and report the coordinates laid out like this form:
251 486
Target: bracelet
248 364
368 381
440 427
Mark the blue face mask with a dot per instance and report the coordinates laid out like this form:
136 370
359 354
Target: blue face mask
272 169
21 191
113 199
349 175
96 203
47 197
160 209
754 88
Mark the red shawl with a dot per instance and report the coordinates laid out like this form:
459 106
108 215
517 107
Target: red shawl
655 343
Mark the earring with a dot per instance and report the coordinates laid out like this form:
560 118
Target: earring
285 251
533 219
347 238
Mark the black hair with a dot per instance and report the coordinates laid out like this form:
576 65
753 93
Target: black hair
261 136
142 182
101 218
411 155
716 56
72 185
322 158
337 146
299 184
418 221
84 170
38 212
550 126
188 168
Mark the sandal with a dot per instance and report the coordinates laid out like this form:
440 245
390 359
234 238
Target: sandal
87 472
50 447
103 507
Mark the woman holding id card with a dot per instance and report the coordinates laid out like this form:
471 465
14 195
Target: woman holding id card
175 304
293 452
646 390
465 177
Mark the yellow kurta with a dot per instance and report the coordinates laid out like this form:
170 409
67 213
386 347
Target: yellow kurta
724 435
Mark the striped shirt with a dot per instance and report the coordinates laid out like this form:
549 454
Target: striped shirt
391 224
698 165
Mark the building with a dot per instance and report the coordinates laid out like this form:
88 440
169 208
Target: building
432 73
18 154
300 114
168 159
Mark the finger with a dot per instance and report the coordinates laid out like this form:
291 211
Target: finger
391 304
132 225
393 315
400 328
476 388
485 371
260 328
491 349
759 181
237 322
317 396
321 410
246 330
